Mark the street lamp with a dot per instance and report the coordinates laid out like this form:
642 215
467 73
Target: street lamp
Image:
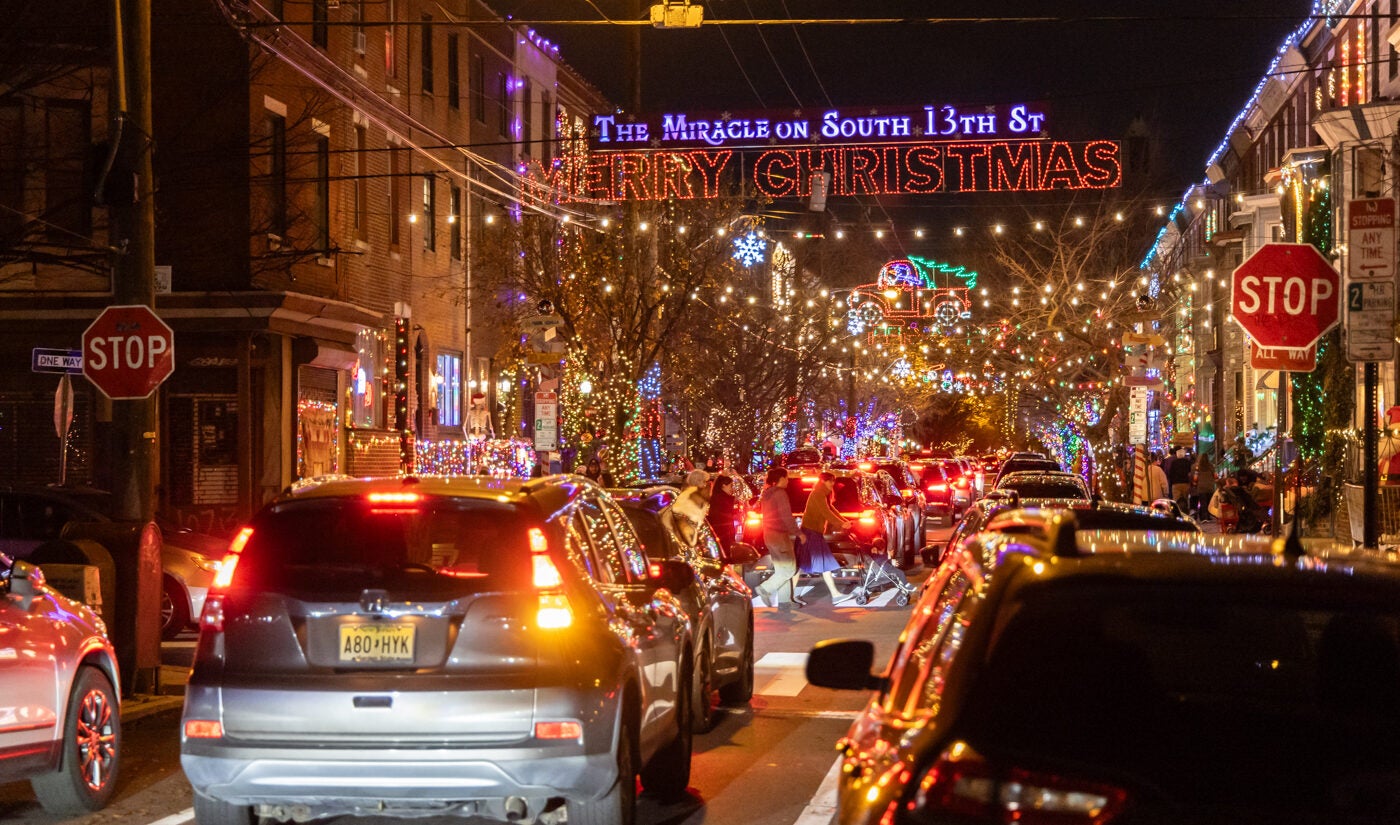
585 387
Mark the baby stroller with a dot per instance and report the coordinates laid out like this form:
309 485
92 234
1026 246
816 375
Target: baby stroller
879 573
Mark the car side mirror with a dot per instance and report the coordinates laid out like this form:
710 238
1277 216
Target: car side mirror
741 553
26 580
672 574
843 664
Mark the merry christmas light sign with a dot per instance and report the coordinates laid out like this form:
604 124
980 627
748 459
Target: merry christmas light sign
856 169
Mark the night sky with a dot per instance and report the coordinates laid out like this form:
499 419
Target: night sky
1187 70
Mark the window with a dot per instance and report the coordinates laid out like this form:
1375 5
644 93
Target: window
368 380
546 127
527 112
67 206
320 15
361 182
608 563
276 127
920 666
429 212
449 389
427 52
391 58
12 165
454 86
395 203
478 83
322 214
454 222
503 103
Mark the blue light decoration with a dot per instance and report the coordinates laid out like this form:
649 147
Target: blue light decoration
649 453
750 249
1067 444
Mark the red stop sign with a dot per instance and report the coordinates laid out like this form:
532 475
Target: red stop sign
128 351
1286 295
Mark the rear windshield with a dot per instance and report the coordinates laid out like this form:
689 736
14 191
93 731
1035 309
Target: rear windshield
1286 697
1044 489
433 549
897 473
847 496
647 524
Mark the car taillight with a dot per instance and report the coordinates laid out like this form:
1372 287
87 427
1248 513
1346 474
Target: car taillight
204 729
867 517
867 466
224 577
558 730
553 611
938 488
961 782
753 519
212 618
962 482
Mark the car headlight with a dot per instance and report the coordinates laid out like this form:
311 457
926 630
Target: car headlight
206 564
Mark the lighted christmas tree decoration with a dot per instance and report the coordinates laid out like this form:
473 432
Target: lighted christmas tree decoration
750 249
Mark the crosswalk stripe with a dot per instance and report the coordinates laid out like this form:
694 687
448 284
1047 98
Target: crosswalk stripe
821 810
780 674
175 819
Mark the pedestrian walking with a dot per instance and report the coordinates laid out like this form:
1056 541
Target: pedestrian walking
818 519
1179 476
780 535
1203 480
1157 485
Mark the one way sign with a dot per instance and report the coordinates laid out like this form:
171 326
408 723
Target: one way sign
68 361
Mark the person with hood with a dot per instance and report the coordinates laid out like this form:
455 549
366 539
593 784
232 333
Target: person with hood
594 471
724 511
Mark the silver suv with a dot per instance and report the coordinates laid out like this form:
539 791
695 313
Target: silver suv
60 720
471 647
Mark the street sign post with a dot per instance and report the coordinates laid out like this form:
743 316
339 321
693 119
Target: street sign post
63 361
1371 239
546 422
128 351
1283 360
1370 321
1285 295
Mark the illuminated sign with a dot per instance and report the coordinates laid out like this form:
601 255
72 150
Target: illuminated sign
752 129
902 169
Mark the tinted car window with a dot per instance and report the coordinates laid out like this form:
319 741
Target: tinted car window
847 495
437 548
899 474
1232 677
1044 489
649 531
917 675
630 551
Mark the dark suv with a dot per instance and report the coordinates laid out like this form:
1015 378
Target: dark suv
1118 677
719 604
413 647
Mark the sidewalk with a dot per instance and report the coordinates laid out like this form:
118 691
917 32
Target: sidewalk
171 697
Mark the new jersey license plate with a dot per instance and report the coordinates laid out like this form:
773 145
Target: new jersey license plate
377 642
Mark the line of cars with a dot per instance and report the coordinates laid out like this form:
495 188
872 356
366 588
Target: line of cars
1076 662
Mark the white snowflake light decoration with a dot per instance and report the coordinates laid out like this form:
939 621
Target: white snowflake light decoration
750 249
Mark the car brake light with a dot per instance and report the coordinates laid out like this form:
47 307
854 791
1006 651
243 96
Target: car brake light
962 482
224 577
961 782
558 730
754 518
938 488
212 618
204 729
654 570
553 612
867 517
393 498
867 466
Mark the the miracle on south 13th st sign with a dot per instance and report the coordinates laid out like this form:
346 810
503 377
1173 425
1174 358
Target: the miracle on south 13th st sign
938 150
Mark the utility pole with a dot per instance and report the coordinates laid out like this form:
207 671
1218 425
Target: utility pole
130 183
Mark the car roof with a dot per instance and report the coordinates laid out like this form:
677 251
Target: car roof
553 492
1091 515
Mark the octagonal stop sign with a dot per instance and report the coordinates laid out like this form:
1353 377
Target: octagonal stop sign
1286 295
128 351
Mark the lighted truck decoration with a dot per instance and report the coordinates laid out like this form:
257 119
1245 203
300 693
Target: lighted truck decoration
907 298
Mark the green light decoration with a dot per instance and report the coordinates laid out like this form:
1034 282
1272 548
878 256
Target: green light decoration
931 269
